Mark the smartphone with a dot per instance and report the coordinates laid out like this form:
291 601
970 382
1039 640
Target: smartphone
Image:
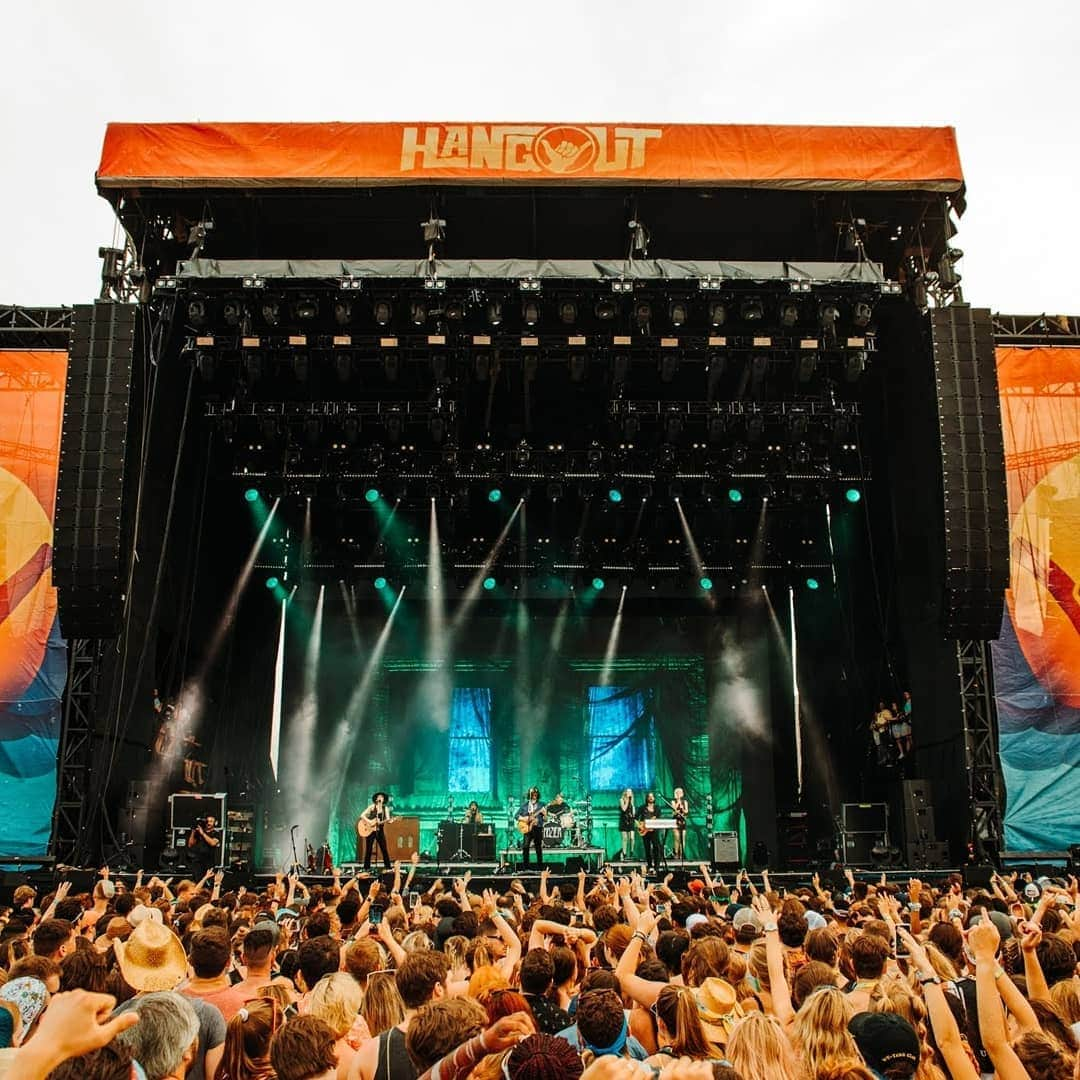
375 916
414 900
661 909
901 949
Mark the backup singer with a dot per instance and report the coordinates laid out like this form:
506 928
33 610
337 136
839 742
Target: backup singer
378 815
653 847
680 809
473 816
530 819
626 824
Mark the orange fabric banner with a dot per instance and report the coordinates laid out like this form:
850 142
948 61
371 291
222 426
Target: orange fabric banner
340 154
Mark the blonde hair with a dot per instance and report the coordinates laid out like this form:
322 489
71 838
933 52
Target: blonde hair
757 1046
455 947
758 964
416 940
821 1029
942 965
1066 998
382 1007
336 999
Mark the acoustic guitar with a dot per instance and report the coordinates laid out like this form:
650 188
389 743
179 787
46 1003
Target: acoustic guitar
365 826
528 823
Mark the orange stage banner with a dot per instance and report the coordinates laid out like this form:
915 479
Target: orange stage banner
342 155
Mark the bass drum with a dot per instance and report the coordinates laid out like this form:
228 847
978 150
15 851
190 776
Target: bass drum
553 835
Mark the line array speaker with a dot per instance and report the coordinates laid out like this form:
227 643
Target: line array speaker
973 471
87 566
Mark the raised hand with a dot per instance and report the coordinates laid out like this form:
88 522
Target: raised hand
507 1032
983 938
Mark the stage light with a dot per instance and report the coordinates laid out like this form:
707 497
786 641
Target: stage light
380 583
384 312
598 584
717 313
418 312
455 310
271 313
252 495
231 312
568 312
752 311
789 314
735 495
372 495
853 495
861 314
530 312
677 313
828 314
606 309
494 495
813 583
614 495
272 583
489 583
196 313
494 313
306 308
855 365
706 584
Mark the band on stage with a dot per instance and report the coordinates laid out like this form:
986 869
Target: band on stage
649 820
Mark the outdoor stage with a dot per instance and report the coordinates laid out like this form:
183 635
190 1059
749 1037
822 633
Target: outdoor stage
624 475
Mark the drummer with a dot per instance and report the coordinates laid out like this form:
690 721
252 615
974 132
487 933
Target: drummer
557 807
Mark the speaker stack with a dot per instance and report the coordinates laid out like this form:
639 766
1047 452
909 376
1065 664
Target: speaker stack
973 472
922 849
87 567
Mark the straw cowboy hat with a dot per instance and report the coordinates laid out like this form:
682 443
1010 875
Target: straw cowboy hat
152 958
718 1009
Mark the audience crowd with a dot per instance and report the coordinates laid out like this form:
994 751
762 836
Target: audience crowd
603 978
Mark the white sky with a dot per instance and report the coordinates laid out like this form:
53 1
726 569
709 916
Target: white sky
1004 74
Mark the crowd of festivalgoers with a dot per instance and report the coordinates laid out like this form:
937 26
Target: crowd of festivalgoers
599 978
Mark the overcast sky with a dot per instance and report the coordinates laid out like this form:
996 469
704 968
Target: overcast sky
1005 75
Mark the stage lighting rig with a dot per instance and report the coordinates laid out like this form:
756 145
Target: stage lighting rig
678 313
717 313
752 310
568 311
305 308
861 314
606 309
383 312
788 314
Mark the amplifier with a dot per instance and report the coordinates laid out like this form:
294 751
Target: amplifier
725 848
864 817
402 837
928 855
858 847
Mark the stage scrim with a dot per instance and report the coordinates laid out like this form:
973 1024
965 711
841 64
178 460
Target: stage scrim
32 653
1037 659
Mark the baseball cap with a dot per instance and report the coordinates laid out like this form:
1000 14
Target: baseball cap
999 919
269 924
746 917
886 1041
814 920
696 919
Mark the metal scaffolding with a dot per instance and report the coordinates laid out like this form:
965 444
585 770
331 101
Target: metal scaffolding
81 696
980 748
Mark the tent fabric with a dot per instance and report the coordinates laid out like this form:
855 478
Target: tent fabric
1037 658
33 657
866 272
345 154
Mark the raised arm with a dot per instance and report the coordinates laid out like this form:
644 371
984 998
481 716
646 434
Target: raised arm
983 940
643 991
774 954
942 1021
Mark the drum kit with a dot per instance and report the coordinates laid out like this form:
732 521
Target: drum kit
569 825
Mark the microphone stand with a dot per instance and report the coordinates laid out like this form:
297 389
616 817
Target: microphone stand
295 857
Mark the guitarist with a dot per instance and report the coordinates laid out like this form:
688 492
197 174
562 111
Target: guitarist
530 822
646 812
372 826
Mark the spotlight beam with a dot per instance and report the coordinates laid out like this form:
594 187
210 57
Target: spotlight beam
613 642
191 698
341 749
303 722
795 694
695 553
472 591
279 686
436 688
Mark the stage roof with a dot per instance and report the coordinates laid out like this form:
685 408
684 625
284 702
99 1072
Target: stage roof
344 155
